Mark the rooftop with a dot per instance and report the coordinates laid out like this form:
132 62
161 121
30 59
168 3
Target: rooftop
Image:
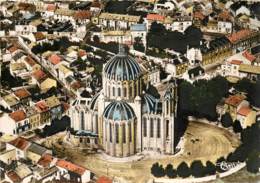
13 176
30 61
18 115
121 17
54 59
71 167
248 56
20 143
45 160
39 75
37 149
234 100
155 17
244 111
249 69
239 35
84 14
22 93
52 101
42 106
10 99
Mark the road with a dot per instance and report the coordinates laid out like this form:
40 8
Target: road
212 143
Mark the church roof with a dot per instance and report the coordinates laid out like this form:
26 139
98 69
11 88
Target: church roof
122 67
151 104
119 111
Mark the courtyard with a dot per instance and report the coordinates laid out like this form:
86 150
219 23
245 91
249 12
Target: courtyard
201 142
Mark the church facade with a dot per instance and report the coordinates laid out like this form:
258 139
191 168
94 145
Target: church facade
125 116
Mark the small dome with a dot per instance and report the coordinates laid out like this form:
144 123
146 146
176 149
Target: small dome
119 111
151 104
93 102
122 67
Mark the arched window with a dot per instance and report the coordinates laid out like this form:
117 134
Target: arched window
124 133
130 132
113 91
167 128
119 91
130 91
158 128
151 127
145 127
117 133
82 120
108 90
124 91
110 132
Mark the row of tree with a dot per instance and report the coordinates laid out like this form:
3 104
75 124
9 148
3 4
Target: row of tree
201 98
196 169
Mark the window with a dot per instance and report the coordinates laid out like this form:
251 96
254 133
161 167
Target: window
82 120
113 91
117 133
129 131
158 128
151 127
124 137
110 132
145 127
124 92
130 91
167 128
108 90
119 92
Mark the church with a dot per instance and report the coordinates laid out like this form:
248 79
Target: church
125 117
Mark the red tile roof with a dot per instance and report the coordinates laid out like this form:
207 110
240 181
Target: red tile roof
236 62
45 160
18 115
14 177
76 85
13 49
22 93
82 14
225 16
234 100
42 106
249 56
155 17
82 53
39 36
237 36
54 59
104 179
30 61
51 7
71 167
244 111
20 143
39 75
199 15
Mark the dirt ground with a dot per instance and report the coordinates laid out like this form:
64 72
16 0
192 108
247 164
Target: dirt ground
202 142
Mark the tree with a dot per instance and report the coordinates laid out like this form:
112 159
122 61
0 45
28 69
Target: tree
157 28
96 39
197 168
138 44
170 172
210 168
255 96
237 126
244 85
226 120
253 162
157 170
183 170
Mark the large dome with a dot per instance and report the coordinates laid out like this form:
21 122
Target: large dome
119 111
122 67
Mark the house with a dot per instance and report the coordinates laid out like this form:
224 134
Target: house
64 14
31 64
112 21
54 106
34 117
10 102
234 103
82 16
20 145
246 116
231 68
38 76
104 179
73 172
22 173
139 31
250 71
23 95
177 65
46 84
150 18
54 60
44 111
63 71
35 151
39 37
18 69
243 39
